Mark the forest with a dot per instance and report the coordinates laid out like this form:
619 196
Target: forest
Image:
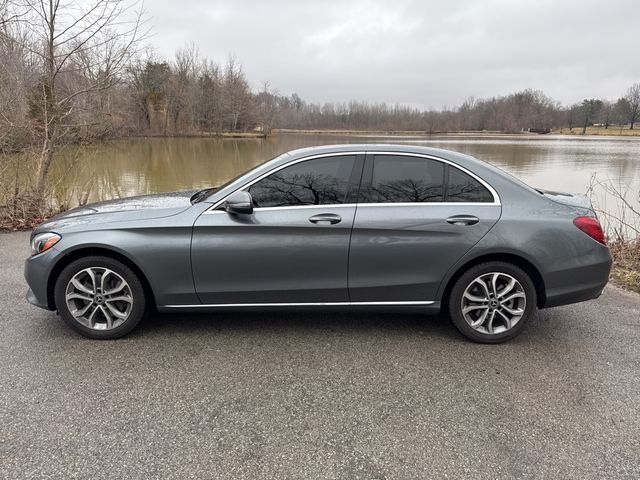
82 72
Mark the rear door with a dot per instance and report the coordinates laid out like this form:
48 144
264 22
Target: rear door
416 217
294 247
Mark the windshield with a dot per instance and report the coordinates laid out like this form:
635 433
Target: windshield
207 192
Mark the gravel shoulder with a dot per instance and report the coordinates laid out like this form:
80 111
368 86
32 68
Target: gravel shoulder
317 394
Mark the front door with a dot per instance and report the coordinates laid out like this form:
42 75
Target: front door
293 249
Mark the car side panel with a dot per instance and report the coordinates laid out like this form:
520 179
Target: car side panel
401 252
573 266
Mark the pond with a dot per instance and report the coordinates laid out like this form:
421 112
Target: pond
147 165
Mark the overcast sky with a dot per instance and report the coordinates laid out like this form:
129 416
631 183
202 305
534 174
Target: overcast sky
423 53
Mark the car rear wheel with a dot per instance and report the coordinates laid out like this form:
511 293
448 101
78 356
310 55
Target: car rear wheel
100 297
492 302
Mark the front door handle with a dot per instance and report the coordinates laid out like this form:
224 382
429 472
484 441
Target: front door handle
463 220
326 219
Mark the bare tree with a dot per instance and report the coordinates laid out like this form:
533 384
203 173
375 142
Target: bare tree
82 48
267 107
633 102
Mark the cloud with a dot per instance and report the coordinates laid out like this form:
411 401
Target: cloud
424 53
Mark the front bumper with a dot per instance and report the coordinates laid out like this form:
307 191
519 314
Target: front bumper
37 271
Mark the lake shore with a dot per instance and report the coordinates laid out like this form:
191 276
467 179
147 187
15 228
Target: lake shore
613 131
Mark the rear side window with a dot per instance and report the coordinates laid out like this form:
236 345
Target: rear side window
403 179
321 181
464 188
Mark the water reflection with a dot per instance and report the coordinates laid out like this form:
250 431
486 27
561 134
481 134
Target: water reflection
147 165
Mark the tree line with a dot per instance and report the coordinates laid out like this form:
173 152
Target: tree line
81 71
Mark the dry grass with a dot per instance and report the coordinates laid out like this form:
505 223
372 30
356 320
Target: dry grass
626 264
620 219
613 130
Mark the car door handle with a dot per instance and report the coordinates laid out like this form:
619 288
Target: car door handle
326 219
463 220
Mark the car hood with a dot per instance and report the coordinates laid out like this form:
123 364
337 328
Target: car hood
121 209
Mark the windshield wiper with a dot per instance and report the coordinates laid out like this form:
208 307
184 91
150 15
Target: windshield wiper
202 194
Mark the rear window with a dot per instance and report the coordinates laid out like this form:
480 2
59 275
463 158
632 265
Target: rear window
402 179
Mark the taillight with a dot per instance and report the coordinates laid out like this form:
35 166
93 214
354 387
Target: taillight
591 226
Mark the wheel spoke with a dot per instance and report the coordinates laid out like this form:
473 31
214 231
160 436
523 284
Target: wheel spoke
507 320
121 298
78 296
509 287
474 298
103 277
106 316
513 311
470 308
480 320
489 323
90 318
513 296
115 289
81 311
494 282
115 311
92 276
484 287
76 283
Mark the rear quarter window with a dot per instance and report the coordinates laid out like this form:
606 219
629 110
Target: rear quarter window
462 187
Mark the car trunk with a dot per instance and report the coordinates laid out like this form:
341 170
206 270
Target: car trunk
572 199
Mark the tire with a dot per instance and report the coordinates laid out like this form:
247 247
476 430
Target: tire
507 309
100 297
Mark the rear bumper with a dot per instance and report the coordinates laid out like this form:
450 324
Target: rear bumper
578 284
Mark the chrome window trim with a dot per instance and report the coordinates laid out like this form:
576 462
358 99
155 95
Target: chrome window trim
300 304
368 205
494 193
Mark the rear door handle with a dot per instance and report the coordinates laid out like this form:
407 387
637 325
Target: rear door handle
463 220
326 219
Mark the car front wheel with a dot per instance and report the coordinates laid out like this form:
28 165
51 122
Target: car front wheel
100 297
492 302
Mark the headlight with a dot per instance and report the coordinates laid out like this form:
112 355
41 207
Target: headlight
43 242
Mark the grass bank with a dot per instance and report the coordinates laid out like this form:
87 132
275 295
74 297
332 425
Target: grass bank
612 131
394 133
205 135
626 264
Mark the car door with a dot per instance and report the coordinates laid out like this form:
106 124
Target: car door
293 248
416 217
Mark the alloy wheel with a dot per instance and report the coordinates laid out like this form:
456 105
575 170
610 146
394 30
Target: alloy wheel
493 303
99 298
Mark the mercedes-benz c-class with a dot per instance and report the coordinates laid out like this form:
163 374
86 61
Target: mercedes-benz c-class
359 225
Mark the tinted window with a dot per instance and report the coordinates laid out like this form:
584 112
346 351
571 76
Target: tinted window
323 181
464 188
397 179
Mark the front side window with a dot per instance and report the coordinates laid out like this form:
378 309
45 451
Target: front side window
321 181
403 179
465 188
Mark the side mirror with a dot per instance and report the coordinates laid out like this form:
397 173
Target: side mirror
239 203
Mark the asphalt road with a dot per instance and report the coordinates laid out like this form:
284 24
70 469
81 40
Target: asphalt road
317 395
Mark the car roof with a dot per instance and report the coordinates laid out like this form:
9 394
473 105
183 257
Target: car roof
385 147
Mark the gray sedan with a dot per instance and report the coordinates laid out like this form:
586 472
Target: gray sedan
356 226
